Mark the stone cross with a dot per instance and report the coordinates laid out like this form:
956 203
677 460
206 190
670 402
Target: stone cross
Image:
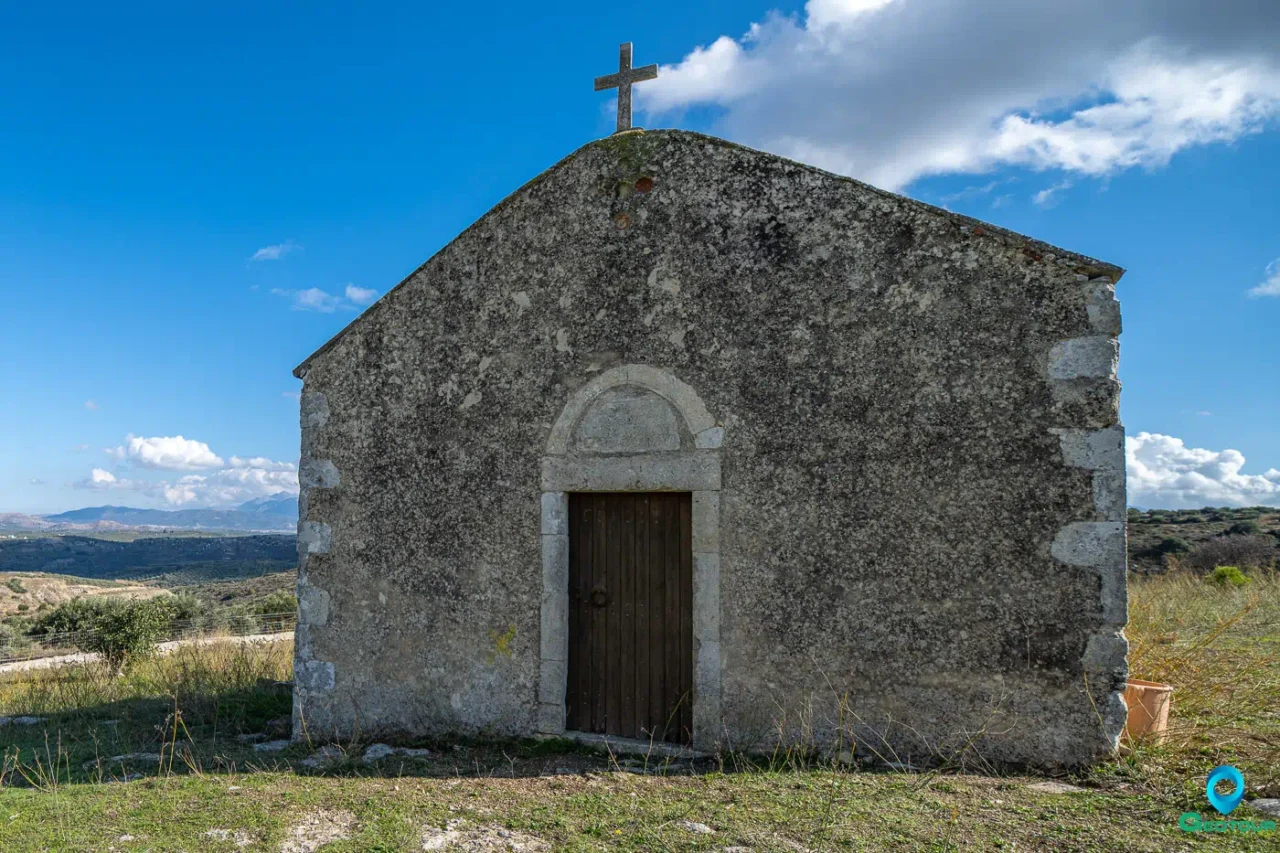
622 82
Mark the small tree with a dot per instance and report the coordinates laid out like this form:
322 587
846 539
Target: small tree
125 632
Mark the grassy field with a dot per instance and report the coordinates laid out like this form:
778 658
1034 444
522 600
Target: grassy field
153 761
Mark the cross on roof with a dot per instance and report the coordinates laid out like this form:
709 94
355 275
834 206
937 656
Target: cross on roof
622 82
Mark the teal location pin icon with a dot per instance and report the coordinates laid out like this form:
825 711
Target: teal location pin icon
1225 802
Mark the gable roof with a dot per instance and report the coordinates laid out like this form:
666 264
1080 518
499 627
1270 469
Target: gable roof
1036 249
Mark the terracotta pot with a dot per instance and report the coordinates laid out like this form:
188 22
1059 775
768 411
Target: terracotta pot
1148 709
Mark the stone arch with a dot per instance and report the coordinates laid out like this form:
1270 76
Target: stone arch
682 398
641 447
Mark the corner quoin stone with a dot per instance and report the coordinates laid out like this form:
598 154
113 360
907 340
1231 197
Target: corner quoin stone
1103 308
1097 450
1109 495
1092 544
315 675
313 410
1106 653
313 605
317 474
315 536
1084 358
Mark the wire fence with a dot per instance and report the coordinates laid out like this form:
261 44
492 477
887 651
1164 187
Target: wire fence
56 644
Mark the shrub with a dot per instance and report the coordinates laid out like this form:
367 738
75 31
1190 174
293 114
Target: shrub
1243 528
15 585
1172 545
1246 552
186 609
78 614
276 609
1225 576
9 636
126 631
119 630
280 601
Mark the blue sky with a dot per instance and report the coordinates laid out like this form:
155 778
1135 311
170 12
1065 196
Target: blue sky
148 154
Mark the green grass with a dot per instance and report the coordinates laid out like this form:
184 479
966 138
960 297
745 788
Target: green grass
1217 645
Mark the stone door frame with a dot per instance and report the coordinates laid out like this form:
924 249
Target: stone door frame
693 469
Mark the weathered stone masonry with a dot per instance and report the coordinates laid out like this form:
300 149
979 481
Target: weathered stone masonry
900 428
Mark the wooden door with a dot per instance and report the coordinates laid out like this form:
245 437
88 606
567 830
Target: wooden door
631 615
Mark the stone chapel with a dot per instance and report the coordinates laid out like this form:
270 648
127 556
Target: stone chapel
689 443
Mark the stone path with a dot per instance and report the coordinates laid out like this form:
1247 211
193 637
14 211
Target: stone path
86 657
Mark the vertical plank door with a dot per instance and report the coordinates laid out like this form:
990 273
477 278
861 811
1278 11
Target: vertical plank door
631 615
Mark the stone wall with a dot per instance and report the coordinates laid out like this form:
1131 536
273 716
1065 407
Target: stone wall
913 416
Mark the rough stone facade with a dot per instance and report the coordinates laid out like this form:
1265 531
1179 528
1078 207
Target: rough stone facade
900 428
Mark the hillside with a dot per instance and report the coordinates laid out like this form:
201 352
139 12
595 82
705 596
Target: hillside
278 512
1195 538
30 593
185 560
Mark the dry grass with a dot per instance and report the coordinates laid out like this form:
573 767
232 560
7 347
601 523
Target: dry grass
224 687
1220 649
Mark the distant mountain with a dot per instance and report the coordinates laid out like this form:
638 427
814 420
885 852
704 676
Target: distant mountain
278 512
280 504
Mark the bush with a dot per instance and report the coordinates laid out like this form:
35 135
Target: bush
126 631
1172 545
78 614
10 637
15 585
1225 576
1246 552
186 609
1243 528
119 630
280 601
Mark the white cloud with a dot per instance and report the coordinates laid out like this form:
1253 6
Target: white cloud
825 13
1048 197
171 453
262 462
245 480
1270 286
315 299
80 448
295 396
36 481
1163 472
233 485
102 480
311 299
888 92
90 405
974 192
276 252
